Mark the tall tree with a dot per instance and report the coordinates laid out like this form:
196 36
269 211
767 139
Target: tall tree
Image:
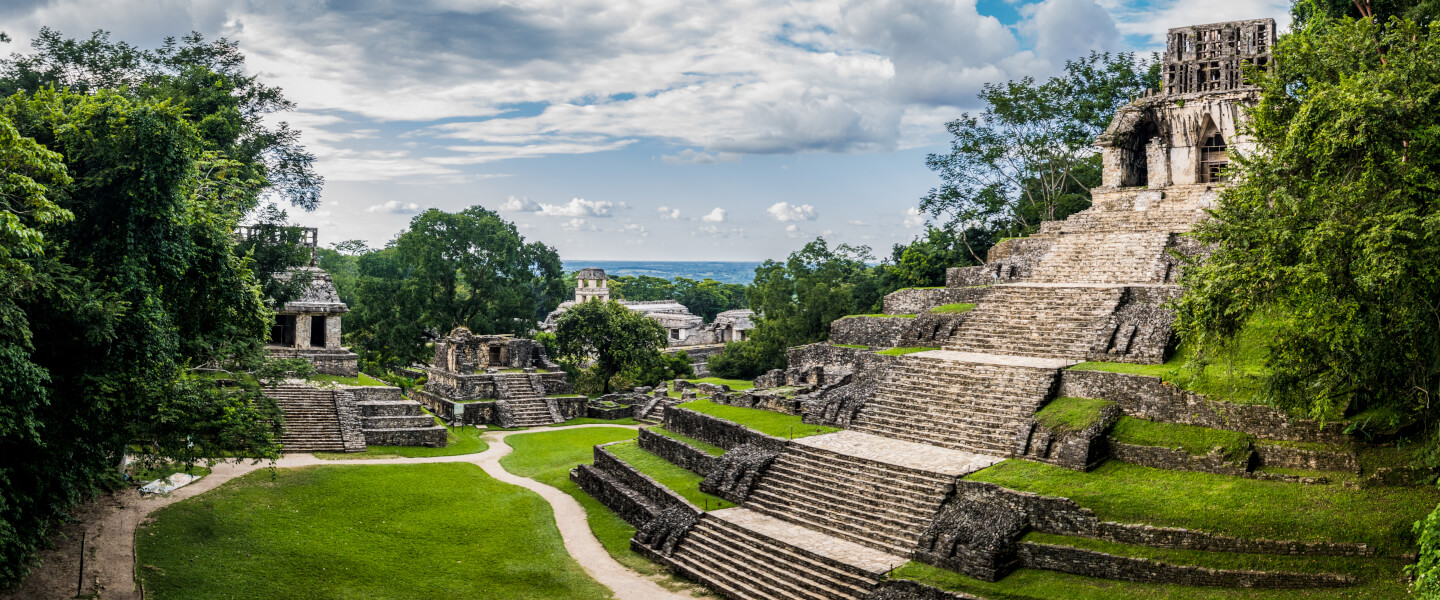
615 338
1027 157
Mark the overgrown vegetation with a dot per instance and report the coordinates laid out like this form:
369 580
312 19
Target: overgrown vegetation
1199 441
953 309
765 421
612 339
1069 414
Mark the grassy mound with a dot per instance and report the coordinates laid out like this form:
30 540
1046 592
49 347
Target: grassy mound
1249 508
1071 414
953 309
393 531
710 449
1190 438
680 480
764 421
362 379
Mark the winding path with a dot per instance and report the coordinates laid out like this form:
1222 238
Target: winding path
110 528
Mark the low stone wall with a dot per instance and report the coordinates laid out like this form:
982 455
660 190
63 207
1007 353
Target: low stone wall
1151 399
375 393
714 430
875 332
569 408
433 437
1179 460
918 300
351 428
1062 516
904 589
1276 455
622 412
1078 450
441 407
556 384
678 452
1090 563
631 494
659 495
761 400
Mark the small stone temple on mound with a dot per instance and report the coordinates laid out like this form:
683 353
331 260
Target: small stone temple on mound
308 327
497 379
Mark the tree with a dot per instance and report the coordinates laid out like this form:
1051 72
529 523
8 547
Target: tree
612 336
1027 157
708 298
922 262
470 269
641 288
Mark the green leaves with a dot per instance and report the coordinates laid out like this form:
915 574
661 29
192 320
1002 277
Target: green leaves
612 336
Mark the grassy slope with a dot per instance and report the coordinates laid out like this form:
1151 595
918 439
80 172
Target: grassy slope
764 421
1236 375
712 450
548 456
1071 414
363 379
738 385
1222 504
904 351
459 440
668 474
953 309
1192 439
355 532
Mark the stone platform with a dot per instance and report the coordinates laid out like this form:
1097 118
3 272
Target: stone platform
900 453
809 540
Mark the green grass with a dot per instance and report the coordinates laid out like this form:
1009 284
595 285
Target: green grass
391 531
362 379
679 479
851 346
953 309
710 449
1190 438
765 421
458 440
1248 508
142 475
592 421
933 287
1071 414
1379 580
904 351
548 456
735 384
1237 374
881 316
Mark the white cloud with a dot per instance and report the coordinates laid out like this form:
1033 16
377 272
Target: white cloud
715 216
634 229
792 231
716 231
578 225
914 218
577 207
1065 29
520 204
784 211
669 214
857 223
395 207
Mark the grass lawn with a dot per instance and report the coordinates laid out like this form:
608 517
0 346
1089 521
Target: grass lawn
391 531
1190 438
1379 580
1071 414
590 421
679 479
1249 508
363 379
710 449
738 385
953 309
548 456
459 440
881 315
1236 375
904 351
765 421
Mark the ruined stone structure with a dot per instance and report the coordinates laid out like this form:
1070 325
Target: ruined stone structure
508 380
685 329
309 326
827 516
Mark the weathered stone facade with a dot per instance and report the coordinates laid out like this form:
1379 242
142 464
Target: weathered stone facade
912 301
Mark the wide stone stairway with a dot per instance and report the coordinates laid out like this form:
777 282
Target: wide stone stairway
1038 320
957 400
526 403
312 423
1104 257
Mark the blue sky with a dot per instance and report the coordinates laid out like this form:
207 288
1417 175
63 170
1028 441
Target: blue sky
658 130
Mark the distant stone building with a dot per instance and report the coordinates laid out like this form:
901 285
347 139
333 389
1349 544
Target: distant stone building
309 326
684 329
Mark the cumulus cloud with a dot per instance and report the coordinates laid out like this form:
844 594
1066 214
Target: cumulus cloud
520 204
792 231
914 218
784 211
577 207
669 214
1065 28
634 229
715 216
578 225
395 207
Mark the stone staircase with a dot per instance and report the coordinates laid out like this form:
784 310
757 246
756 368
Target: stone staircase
386 422
653 411
526 404
1039 320
1104 257
312 422
952 403
745 555
876 504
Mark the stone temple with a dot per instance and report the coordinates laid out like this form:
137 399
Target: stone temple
828 516
309 326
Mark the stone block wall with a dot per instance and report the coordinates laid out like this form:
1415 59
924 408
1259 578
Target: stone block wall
760 399
348 413
678 452
1140 330
1179 460
1078 450
622 412
1151 399
433 437
376 393
1277 455
875 332
918 300
714 430
631 494
1090 563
